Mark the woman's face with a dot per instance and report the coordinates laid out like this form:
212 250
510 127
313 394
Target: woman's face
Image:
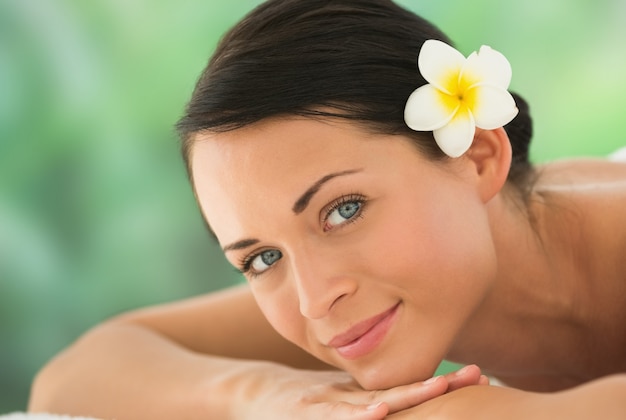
357 248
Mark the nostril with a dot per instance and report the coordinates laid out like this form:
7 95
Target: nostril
341 297
319 308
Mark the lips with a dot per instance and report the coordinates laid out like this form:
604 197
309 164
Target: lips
365 336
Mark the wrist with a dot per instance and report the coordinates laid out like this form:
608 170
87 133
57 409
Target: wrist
229 394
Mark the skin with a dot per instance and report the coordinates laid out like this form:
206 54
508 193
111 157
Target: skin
479 278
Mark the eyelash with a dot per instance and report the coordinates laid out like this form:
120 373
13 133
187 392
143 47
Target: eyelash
246 262
349 198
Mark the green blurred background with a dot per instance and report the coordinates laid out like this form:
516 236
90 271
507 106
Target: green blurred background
96 215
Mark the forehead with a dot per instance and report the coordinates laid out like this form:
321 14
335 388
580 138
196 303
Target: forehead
282 150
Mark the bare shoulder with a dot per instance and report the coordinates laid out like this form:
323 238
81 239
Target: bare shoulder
583 172
595 189
225 323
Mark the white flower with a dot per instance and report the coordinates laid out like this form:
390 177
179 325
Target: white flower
461 94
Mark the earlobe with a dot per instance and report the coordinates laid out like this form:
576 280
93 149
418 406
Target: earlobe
491 156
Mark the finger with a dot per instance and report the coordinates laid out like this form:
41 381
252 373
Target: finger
406 396
484 380
344 410
469 375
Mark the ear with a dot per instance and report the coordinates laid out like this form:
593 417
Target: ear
490 155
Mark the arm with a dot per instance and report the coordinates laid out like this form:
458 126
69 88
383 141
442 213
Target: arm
210 357
155 359
603 398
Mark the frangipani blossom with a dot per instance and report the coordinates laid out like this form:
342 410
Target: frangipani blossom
461 94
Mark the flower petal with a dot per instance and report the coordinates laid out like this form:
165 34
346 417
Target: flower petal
428 109
456 136
492 107
487 66
440 64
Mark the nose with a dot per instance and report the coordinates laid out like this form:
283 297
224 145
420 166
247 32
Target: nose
321 283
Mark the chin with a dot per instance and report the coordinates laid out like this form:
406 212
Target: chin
391 376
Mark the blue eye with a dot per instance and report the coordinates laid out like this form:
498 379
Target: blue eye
345 210
264 260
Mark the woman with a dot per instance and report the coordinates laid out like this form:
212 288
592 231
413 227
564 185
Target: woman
377 249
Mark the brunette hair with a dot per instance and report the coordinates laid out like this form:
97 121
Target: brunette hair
351 59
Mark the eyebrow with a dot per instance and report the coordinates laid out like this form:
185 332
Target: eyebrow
244 243
300 205
302 202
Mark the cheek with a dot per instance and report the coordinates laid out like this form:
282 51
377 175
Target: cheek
442 253
282 312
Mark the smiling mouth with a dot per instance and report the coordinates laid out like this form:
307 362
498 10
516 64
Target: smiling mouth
365 336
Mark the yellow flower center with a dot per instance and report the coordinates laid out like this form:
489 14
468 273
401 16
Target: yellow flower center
462 97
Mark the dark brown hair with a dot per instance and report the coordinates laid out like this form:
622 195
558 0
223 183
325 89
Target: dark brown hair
298 57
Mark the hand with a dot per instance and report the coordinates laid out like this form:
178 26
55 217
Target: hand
290 393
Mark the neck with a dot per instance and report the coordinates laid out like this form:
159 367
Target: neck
537 311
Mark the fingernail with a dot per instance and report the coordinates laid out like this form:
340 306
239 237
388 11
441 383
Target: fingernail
373 407
431 380
463 371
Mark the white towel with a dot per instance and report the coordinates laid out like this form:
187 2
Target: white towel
619 155
28 416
